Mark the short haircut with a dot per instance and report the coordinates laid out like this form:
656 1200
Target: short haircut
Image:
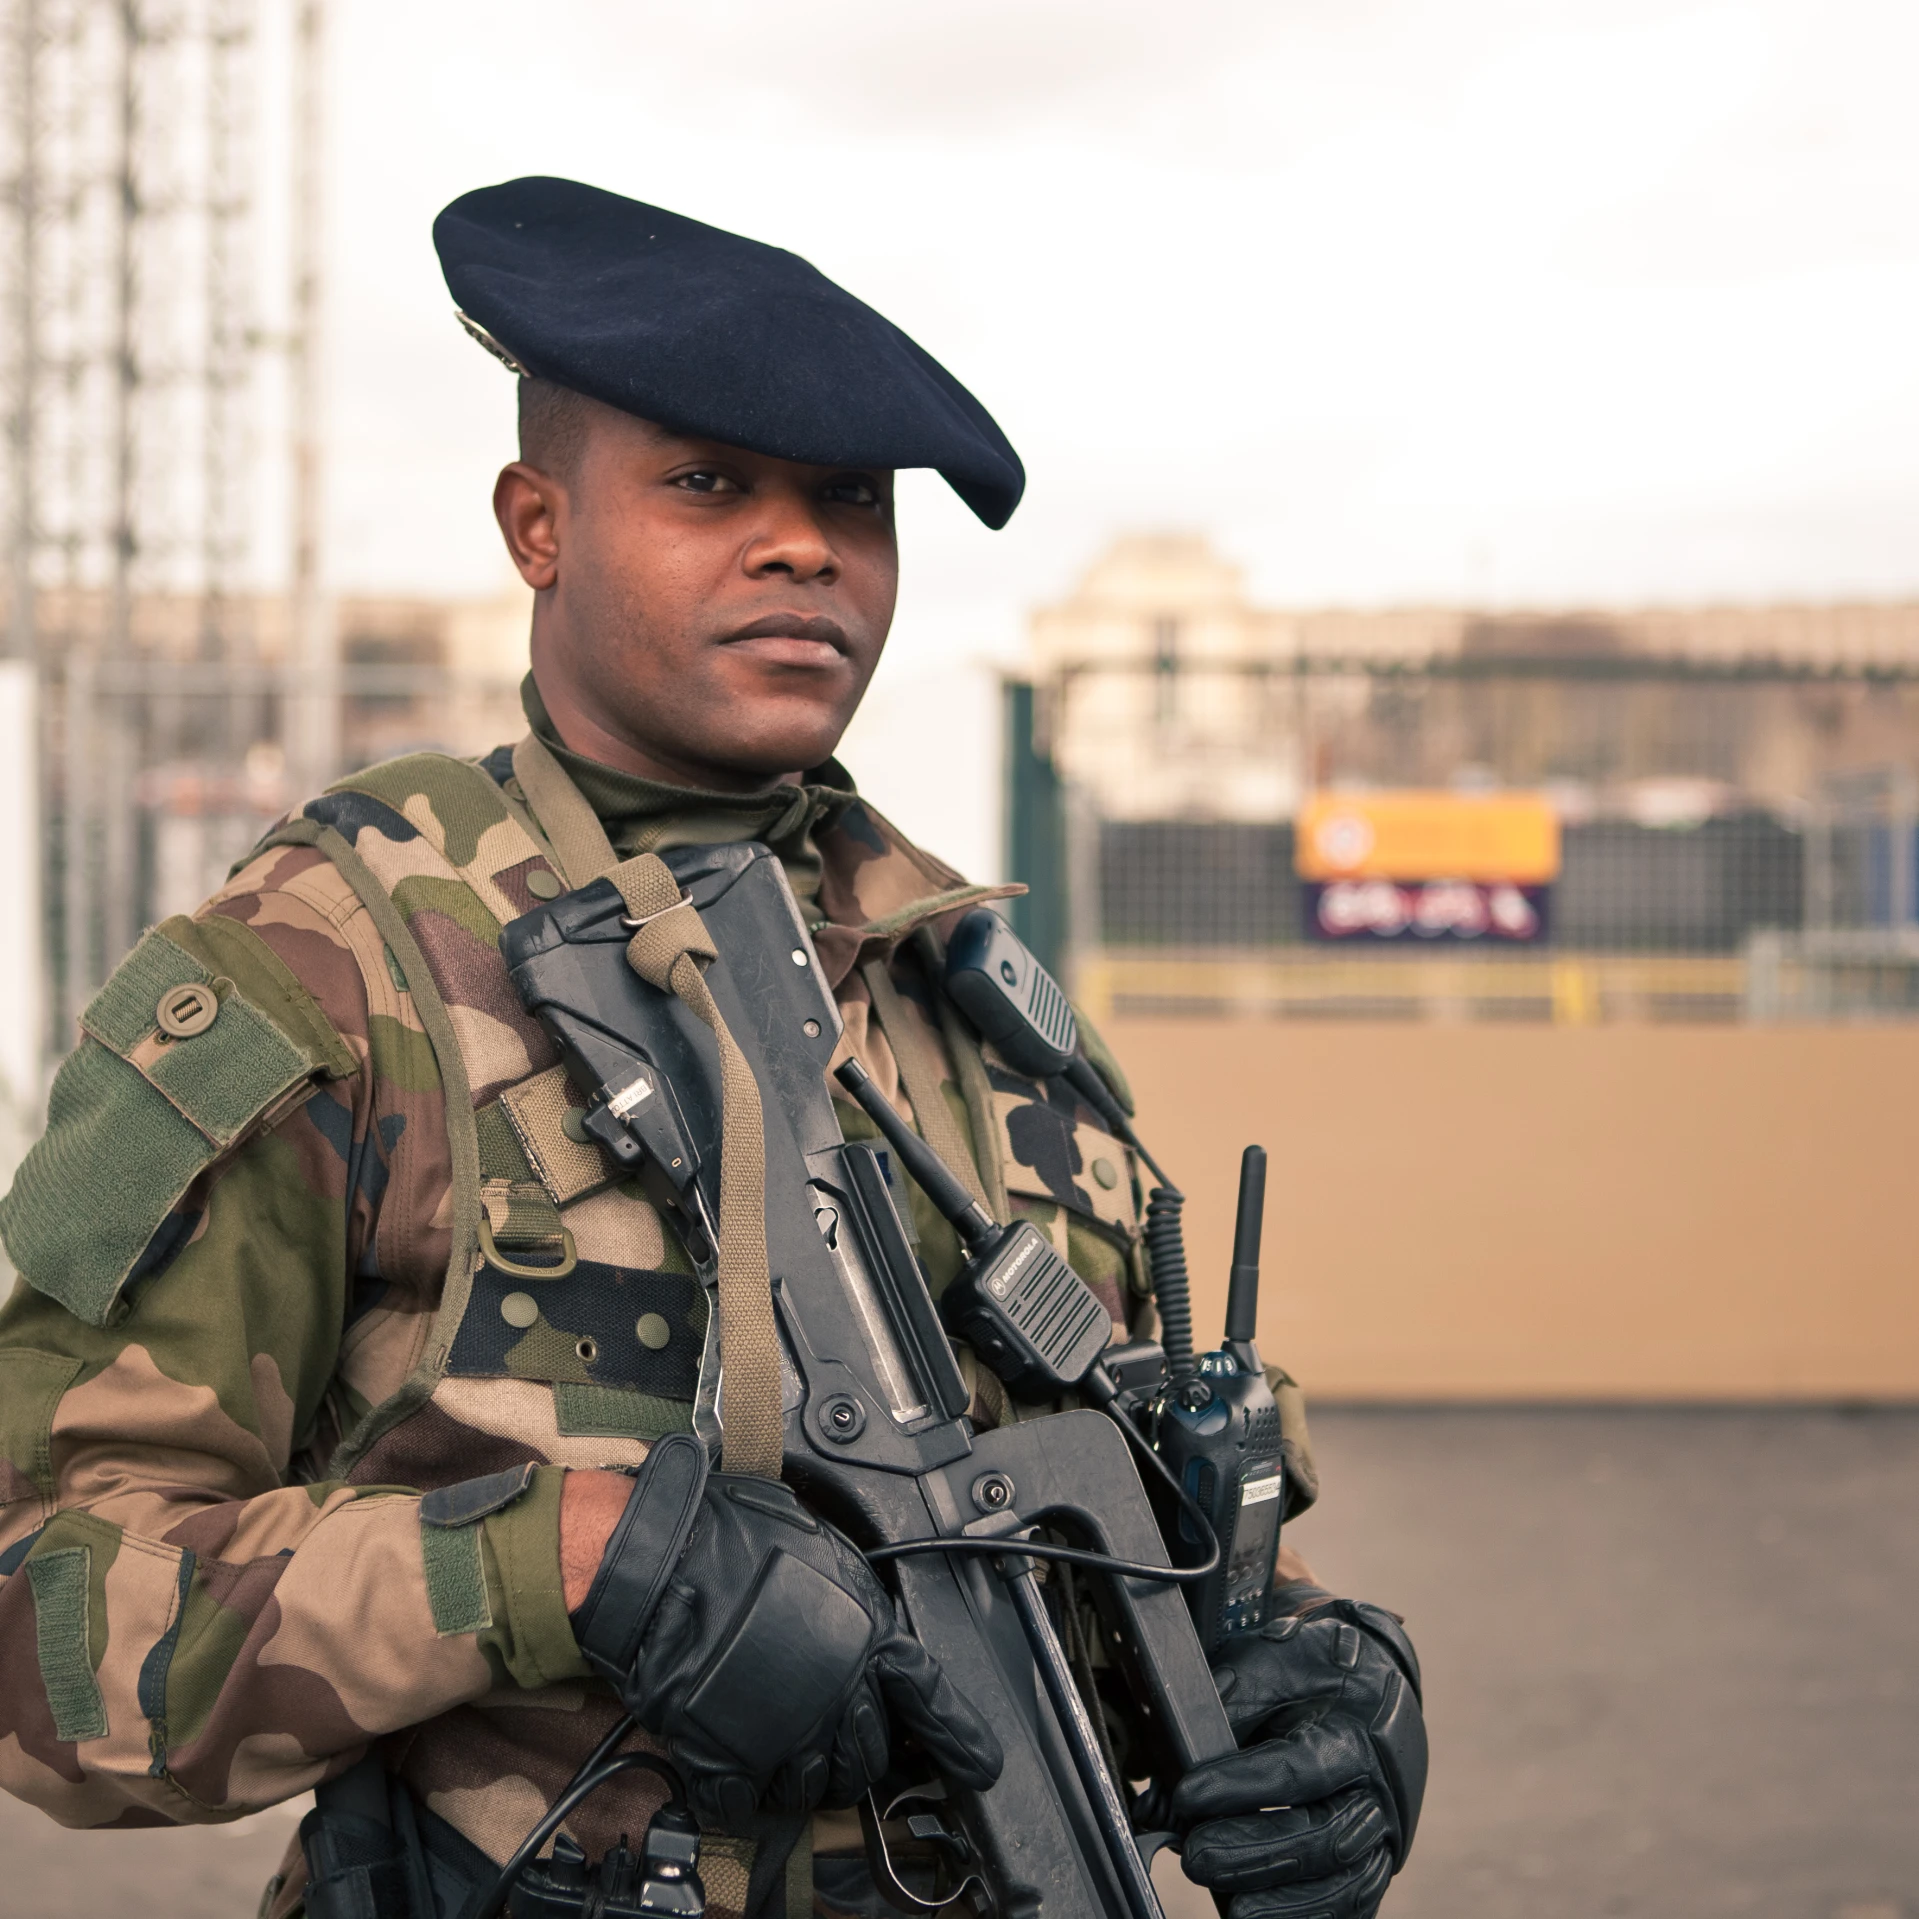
553 426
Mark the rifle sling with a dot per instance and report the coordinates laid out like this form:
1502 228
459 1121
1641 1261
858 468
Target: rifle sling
666 951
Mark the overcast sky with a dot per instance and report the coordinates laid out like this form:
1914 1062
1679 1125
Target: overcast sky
1600 300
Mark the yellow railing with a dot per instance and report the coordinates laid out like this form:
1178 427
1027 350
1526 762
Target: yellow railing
1572 989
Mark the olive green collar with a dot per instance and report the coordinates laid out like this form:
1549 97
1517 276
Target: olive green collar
864 886
649 816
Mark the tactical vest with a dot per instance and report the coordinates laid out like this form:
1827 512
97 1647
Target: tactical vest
571 1323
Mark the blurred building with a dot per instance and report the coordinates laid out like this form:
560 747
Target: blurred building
1167 694
1724 778
161 309
441 674
205 733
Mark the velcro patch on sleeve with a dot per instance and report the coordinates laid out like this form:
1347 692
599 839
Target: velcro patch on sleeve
450 1546
98 1182
62 1607
455 1578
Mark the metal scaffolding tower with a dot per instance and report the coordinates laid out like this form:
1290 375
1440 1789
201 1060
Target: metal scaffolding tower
136 363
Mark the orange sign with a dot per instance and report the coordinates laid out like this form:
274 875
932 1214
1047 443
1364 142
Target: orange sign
1428 836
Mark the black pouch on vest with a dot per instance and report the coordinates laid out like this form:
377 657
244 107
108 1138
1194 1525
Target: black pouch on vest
363 1851
372 1854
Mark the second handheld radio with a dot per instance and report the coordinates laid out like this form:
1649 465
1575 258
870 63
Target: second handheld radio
1218 1429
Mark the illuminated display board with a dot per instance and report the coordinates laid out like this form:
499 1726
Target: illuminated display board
1412 867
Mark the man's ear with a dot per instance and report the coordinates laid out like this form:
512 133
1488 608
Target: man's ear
528 505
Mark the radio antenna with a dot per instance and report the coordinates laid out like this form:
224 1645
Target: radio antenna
1242 1287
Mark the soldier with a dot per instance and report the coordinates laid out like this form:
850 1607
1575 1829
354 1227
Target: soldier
302 1483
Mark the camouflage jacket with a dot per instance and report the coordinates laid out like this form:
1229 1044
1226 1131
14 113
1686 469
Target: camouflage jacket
258 1380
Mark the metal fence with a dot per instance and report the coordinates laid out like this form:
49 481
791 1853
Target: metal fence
1737 840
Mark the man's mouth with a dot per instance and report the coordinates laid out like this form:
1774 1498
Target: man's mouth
791 639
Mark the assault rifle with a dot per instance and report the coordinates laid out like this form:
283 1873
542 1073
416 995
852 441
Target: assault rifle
876 1437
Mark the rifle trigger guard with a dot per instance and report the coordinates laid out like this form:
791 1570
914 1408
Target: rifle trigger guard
1151 1844
886 1876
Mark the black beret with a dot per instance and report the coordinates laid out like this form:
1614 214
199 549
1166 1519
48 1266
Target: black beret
712 335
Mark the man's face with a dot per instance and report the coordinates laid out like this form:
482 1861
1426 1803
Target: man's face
705 615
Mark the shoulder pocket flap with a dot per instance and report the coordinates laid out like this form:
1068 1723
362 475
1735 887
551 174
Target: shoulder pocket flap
136 1115
1078 1166
223 1078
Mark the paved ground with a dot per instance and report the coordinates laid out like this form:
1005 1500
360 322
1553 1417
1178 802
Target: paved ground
1672 1659
1672 1672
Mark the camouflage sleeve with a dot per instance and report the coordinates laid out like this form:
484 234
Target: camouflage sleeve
213 1285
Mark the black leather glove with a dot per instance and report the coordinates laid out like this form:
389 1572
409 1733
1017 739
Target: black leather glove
758 1644
1325 1704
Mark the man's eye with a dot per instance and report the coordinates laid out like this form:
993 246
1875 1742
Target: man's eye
707 483
852 491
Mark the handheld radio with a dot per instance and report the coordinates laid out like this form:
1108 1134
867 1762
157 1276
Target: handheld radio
1219 1432
1214 1421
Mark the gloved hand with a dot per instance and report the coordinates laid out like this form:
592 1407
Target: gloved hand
758 1644
1325 1704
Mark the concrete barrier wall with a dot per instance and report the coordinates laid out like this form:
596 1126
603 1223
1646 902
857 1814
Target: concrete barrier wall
1625 1212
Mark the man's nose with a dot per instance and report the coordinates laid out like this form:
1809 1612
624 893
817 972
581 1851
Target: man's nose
790 540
